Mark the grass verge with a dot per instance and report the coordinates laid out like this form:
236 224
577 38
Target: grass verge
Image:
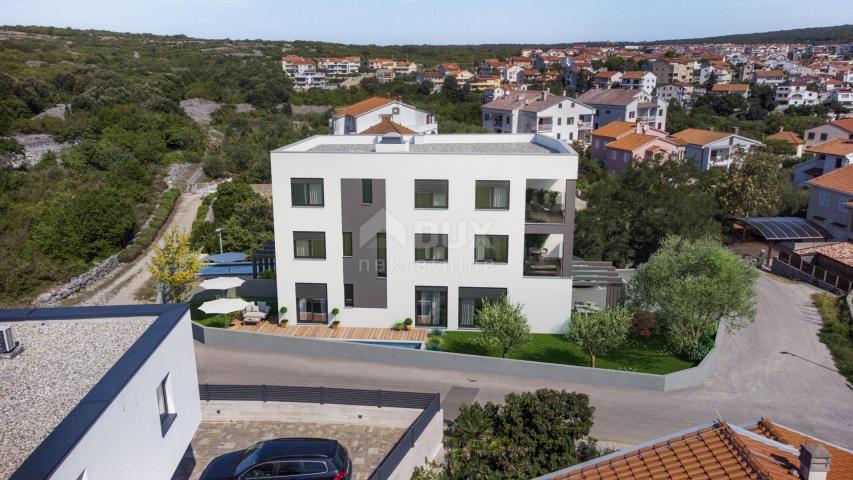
837 331
645 355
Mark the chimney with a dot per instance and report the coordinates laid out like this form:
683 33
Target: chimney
736 130
814 462
543 95
563 94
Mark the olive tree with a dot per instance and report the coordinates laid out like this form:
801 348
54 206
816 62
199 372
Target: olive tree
504 324
691 285
599 331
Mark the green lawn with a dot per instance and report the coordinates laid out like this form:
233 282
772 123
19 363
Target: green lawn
224 320
638 355
837 331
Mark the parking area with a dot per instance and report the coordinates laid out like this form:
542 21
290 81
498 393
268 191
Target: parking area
367 445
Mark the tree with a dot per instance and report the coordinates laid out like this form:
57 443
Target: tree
175 264
691 285
450 88
599 331
529 435
503 324
426 87
753 184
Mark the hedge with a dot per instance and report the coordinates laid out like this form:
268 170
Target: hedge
147 235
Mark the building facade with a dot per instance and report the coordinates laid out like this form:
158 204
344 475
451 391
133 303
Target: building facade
707 149
426 227
533 111
830 202
833 130
381 113
627 106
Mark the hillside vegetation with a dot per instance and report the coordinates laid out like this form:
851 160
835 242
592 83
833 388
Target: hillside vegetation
835 34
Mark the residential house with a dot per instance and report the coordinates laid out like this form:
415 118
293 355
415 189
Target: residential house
831 202
639 80
446 69
768 77
844 96
832 130
433 76
796 93
719 450
405 67
377 63
829 156
513 72
485 82
677 91
303 72
741 89
719 70
708 148
339 66
605 79
365 223
385 75
493 66
546 61
668 71
790 138
97 392
619 143
542 112
625 105
387 114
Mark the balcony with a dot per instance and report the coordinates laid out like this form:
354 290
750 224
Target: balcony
544 201
543 255
536 213
543 266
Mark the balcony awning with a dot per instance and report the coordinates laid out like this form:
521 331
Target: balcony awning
785 228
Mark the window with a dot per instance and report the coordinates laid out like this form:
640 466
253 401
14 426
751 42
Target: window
266 470
311 303
559 120
349 297
290 468
430 247
167 414
560 105
491 248
491 194
431 306
431 193
367 191
811 135
631 114
471 301
381 255
823 199
309 244
558 136
306 192
395 110
314 467
486 117
613 154
570 120
823 136
507 120
571 135
347 244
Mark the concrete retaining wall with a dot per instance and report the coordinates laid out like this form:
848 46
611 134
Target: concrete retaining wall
460 362
427 448
229 411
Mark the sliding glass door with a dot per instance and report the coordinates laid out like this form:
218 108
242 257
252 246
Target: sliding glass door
431 306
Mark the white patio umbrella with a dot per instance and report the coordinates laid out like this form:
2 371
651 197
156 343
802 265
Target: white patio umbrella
221 283
223 305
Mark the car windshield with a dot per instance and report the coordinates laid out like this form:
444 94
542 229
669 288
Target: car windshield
247 459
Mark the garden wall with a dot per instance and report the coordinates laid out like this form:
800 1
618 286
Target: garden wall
460 362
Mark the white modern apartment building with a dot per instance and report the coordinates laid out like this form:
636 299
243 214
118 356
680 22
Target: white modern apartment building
796 94
98 392
303 72
379 115
339 66
532 111
639 80
426 227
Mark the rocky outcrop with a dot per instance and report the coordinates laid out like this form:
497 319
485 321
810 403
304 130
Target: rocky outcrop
56 295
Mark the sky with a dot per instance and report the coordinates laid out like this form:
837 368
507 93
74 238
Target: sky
386 22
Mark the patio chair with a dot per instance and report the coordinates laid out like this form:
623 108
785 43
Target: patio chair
252 315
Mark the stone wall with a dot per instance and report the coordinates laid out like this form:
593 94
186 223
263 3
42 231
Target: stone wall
56 295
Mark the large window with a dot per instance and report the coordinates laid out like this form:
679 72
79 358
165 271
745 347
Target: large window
381 255
367 191
471 300
311 303
430 193
491 248
309 244
492 194
349 295
167 415
306 192
430 247
347 244
431 306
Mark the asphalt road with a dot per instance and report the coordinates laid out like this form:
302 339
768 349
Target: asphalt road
775 368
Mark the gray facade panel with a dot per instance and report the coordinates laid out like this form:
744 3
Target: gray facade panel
364 221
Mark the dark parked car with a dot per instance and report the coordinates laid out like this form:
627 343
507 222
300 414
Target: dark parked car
283 458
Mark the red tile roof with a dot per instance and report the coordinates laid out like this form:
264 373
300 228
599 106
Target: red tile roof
840 180
840 147
769 73
789 137
845 123
363 106
730 87
841 252
719 451
386 125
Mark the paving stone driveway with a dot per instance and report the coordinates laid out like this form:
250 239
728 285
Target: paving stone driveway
367 445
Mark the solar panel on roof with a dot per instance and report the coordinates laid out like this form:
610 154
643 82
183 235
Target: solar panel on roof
785 228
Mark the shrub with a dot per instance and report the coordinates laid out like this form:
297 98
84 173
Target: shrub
407 321
642 324
434 343
695 353
335 312
130 253
398 326
267 275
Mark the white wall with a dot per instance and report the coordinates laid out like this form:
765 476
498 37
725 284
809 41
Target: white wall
547 300
409 117
126 441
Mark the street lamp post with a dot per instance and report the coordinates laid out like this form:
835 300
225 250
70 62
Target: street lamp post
219 232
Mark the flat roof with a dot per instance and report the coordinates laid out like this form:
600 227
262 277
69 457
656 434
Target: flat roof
74 363
458 144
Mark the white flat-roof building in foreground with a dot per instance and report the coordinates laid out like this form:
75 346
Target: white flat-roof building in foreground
98 392
426 227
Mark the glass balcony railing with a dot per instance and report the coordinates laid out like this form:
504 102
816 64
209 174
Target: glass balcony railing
538 266
536 213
